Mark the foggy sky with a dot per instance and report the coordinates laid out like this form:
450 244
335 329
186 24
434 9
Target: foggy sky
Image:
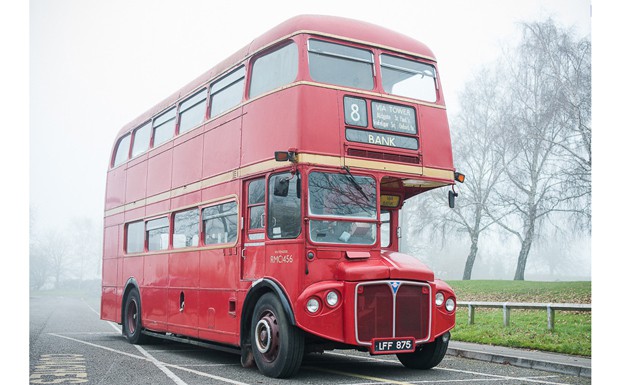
97 65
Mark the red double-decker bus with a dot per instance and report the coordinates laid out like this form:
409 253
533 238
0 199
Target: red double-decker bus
256 210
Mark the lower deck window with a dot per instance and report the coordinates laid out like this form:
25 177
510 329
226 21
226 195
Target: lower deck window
220 223
158 235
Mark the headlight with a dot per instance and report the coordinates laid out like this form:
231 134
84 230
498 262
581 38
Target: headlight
332 298
450 305
312 305
439 299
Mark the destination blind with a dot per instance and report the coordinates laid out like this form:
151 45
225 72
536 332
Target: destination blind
381 139
394 117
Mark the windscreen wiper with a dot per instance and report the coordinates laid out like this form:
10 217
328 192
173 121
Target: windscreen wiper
354 182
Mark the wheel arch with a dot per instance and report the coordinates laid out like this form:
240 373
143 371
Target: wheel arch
258 289
131 283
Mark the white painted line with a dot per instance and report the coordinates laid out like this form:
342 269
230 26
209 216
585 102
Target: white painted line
203 374
161 366
494 376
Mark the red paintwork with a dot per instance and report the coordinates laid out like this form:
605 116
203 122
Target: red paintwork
219 154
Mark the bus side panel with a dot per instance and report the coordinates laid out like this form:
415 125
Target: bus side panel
154 301
154 289
182 302
115 187
217 322
320 115
136 182
218 270
159 173
109 305
222 146
185 168
435 138
277 112
183 311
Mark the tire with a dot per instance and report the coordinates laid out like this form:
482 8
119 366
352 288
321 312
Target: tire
132 318
277 346
426 356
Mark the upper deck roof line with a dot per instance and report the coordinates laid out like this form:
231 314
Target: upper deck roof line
344 27
328 25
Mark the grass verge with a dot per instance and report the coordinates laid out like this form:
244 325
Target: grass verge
528 328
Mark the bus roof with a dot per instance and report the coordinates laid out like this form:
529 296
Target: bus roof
333 26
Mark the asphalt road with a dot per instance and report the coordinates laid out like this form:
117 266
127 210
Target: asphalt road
69 344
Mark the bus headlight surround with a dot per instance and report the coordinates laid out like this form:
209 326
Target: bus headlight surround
439 298
450 305
313 305
332 298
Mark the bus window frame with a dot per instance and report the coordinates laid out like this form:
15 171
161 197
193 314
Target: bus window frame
118 144
205 89
309 217
146 230
173 224
242 68
264 53
203 233
348 44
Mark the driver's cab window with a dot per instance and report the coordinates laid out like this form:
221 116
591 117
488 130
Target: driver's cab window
386 218
284 206
256 209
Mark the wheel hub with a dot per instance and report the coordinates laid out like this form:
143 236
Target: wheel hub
267 335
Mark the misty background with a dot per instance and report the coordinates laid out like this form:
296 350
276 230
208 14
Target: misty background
94 66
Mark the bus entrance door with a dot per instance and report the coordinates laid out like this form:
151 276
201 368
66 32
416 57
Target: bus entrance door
253 249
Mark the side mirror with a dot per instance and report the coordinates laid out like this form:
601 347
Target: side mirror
281 186
451 197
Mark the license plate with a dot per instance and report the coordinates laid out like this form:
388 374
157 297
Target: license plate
392 345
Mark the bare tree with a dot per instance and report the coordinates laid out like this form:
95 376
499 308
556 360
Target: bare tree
55 246
536 127
85 248
476 134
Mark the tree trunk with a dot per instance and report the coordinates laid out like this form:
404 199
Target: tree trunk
524 253
471 258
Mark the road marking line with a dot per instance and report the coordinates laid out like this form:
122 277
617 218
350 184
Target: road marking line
203 374
160 366
378 379
526 379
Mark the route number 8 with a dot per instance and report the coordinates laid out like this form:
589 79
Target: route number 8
355 112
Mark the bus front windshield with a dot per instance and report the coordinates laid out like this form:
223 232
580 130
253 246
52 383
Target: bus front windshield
343 207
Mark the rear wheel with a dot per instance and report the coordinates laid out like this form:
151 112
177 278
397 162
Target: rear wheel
132 319
426 356
277 346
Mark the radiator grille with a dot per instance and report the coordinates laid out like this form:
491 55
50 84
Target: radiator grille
392 309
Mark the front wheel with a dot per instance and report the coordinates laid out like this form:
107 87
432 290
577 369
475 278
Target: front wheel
277 346
426 356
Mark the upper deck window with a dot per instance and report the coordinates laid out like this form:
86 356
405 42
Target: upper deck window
141 140
227 92
192 111
408 78
122 150
340 64
163 127
274 70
